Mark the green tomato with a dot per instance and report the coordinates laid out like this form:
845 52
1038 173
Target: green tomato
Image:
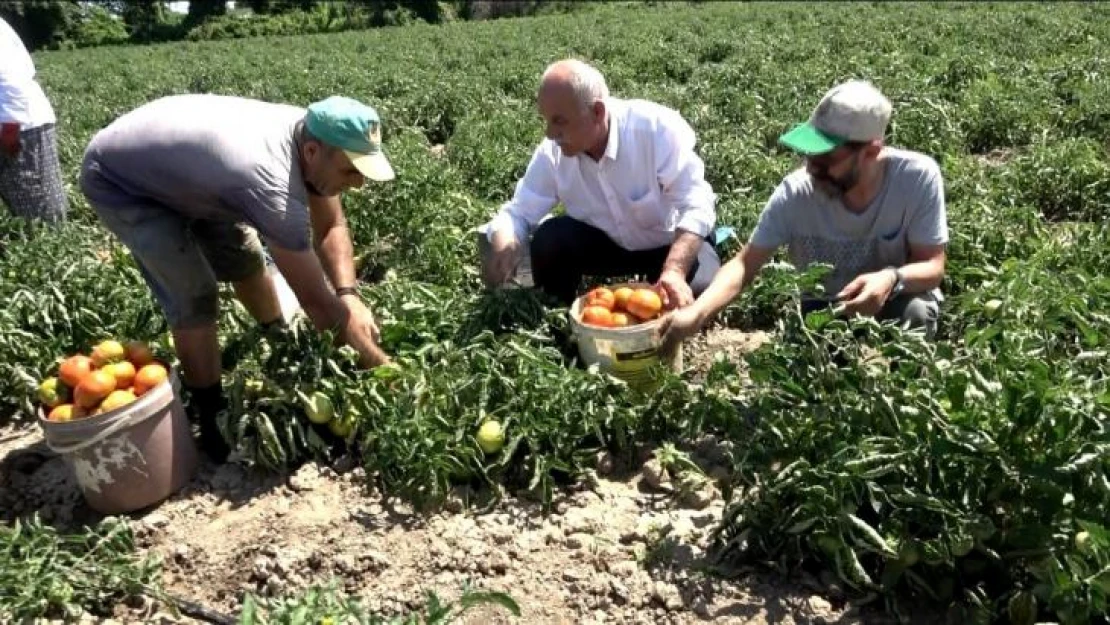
254 388
829 544
1083 542
341 426
491 437
51 393
318 407
909 554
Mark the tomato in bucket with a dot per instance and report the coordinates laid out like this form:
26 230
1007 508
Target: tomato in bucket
617 328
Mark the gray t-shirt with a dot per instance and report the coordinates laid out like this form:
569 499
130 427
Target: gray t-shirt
909 208
212 157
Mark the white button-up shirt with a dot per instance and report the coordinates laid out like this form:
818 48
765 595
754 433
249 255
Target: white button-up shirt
21 97
648 183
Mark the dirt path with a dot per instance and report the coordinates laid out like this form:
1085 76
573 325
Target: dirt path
613 551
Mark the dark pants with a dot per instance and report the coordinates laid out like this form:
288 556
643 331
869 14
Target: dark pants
912 310
564 250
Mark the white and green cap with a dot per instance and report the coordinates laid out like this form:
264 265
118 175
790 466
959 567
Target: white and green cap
852 111
356 129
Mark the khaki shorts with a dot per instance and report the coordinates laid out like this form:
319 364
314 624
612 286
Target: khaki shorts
182 259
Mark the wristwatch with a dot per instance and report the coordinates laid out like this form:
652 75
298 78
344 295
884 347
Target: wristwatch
346 290
899 285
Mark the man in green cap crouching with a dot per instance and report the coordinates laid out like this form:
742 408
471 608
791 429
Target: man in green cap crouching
873 212
189 183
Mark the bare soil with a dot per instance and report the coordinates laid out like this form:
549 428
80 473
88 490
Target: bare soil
617 549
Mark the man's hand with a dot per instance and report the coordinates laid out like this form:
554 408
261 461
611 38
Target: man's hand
504 254
672 279
361 324
9 139
676 292
361 315
867 294
677 326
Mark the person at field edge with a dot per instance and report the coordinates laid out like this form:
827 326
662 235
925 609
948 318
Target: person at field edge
636 199
30 175
874 212
190 182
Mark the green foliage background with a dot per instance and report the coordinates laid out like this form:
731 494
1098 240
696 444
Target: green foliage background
971 472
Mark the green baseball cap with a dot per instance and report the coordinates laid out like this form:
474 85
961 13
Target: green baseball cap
808 139
851 111
354 128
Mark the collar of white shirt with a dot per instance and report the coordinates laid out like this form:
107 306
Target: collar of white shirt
613 143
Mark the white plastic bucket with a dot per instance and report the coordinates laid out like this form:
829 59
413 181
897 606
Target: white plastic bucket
131 457
629 353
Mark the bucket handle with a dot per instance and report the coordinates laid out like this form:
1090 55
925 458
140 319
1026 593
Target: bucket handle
121 423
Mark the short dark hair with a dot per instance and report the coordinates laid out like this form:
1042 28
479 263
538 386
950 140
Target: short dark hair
303 135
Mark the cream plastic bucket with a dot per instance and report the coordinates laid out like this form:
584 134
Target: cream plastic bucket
131 457
629 353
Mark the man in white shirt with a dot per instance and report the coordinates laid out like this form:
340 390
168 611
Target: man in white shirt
874 212
30 175
634 191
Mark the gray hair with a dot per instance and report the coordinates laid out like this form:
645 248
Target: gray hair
585 81
303 135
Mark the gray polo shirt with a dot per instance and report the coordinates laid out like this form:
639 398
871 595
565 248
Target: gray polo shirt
909 208
212 157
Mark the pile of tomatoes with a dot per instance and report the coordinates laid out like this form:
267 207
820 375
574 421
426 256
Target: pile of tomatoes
620 307
112 376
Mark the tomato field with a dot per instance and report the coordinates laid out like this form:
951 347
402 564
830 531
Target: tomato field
969 475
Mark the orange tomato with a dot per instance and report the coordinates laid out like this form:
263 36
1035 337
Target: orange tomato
597 316
139 354
645 304
622 295
123 371
148 377
601 296
74 369
95 387
620 320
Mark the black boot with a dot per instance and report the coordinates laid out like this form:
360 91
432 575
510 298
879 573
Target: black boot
206 404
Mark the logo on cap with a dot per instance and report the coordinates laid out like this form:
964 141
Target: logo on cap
356 129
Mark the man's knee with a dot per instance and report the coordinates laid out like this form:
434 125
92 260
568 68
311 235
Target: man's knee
551 239
921 313
234 251
708 264
198 309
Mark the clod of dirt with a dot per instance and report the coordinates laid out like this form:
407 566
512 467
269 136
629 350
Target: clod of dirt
727 343
306 478
655 476
605 463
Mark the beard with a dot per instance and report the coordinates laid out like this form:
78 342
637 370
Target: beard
833 187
